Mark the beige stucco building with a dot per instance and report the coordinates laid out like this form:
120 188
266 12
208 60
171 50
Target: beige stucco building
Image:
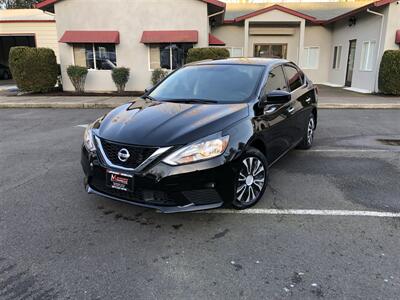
336 43
26 27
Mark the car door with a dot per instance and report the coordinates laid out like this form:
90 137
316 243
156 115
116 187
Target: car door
295 114
271 122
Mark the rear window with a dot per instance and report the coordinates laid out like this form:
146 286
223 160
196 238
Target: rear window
294 77
222 83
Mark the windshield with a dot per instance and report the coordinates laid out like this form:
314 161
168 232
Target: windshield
220 83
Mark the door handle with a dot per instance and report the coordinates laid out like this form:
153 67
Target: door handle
290 109
270 110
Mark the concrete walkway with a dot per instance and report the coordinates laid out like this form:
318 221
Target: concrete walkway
329 98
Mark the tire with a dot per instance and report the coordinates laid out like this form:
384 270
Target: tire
6 76
250 180
308 137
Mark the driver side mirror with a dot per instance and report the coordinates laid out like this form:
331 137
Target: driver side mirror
276 97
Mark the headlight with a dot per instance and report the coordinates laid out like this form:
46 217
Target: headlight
88 139
203 149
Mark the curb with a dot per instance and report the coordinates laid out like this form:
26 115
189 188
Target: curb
359 106
61 105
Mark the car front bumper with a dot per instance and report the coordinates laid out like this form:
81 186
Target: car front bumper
168 189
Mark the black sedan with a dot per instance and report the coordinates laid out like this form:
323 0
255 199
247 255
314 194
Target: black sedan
203 137
5 72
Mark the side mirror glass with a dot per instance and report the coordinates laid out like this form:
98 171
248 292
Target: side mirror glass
277 97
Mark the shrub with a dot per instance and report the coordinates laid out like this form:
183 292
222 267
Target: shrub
77 75
389 73
196 54
158 75
120 77
34 69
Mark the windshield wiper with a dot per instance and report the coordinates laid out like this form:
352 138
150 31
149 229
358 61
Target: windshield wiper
190 101
149 97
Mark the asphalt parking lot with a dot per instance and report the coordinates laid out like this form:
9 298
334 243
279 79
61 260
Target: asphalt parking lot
57 242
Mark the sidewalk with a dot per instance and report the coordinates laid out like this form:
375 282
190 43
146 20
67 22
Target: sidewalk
329 98
333 97
61 102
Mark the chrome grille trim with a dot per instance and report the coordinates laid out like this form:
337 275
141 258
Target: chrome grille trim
146 162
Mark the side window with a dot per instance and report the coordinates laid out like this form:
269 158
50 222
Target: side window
276 81
294 77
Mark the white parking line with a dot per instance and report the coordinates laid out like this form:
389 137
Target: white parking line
305 212
82 126
350 150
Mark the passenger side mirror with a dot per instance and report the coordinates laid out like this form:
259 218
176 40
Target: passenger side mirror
276 97
148 89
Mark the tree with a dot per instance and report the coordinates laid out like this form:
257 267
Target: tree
10 4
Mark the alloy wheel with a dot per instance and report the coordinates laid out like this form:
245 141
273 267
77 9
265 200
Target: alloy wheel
251 180
310 131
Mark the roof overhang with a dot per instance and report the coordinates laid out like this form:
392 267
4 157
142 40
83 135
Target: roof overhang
169 36
214 5
308 18
81 37
272 8
214 41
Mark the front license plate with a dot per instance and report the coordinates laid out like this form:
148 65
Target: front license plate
119 181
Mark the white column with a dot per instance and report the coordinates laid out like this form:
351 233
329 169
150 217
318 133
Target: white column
246 38
301 41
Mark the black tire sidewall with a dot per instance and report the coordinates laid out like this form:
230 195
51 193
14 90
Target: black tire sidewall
250 152
304 143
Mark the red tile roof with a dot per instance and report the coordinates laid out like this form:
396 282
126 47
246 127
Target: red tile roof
111 37
170 36
46 3
214 41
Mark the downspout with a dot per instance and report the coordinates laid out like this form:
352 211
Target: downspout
216 14
213 15
376 89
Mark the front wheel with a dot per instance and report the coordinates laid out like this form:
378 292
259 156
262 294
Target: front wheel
251 179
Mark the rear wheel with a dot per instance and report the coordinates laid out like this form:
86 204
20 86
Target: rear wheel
251 179
308 137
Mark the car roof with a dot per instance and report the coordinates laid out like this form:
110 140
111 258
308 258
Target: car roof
243 61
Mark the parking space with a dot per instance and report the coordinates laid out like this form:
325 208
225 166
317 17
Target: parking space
57 241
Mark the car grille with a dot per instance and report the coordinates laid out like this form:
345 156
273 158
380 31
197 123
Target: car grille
137 154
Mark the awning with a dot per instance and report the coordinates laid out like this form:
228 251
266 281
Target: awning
214 41
106 37
170 36
398 37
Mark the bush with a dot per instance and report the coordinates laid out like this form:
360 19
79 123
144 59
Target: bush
197 54
34 69
77 75
389 73
120 77
158 75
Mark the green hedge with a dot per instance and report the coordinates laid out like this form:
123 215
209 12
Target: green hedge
158 75
77 75
197 54
120 76
389 73
34 69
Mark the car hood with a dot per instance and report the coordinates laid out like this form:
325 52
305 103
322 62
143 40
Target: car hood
153 123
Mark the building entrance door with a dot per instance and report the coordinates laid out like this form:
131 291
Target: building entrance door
270 50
